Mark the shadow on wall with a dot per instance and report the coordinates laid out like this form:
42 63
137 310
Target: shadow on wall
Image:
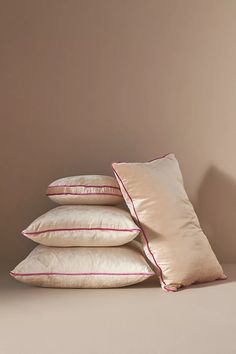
216 208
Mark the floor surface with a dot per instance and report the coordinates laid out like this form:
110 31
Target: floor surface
141 319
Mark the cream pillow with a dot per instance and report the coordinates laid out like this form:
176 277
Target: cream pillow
172 237
83 225
94 189
81 267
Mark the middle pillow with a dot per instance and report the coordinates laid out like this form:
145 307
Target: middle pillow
83 225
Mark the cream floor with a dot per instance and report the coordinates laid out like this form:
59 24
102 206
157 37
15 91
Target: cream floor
136 320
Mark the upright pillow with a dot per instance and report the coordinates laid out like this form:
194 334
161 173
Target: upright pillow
91 189
171 233
81 267
83 225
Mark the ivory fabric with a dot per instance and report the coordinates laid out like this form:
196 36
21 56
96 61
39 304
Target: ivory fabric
81 267
87 189
83 225
172 237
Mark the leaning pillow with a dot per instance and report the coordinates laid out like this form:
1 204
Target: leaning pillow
81 267
83 225
94 189
173 239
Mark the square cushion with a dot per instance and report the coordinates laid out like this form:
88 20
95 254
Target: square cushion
82 267
172 237
87 189
83 225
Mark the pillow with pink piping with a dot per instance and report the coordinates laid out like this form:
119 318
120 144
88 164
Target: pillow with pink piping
173 239
83 225
88 189
82 267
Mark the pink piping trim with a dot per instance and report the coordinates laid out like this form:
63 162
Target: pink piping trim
77 229
113 194
32 274
157 158
161 157
80 185
165 287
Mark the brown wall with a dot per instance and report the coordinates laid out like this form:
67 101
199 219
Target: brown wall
84 83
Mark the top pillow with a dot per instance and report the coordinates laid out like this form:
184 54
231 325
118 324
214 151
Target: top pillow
90 189
173 239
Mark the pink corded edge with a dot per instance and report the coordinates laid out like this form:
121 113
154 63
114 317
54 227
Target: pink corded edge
112 194
25 233
157 158
165 287
160 157
80 185
71 274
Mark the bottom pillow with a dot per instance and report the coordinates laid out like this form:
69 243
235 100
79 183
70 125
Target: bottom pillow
82 267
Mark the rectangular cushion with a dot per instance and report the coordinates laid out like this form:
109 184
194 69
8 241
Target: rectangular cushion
172 237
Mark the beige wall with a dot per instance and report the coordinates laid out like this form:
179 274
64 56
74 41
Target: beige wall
84 83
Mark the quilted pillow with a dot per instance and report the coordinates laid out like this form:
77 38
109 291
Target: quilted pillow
171 233
83 225
81 267
91 189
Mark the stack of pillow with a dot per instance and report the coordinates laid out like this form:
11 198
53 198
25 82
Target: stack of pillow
172 238
87 241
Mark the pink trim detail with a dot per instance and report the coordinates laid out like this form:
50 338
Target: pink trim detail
81 185
157 158
161 157
78 229
112 194
169 290
72 274
145 237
